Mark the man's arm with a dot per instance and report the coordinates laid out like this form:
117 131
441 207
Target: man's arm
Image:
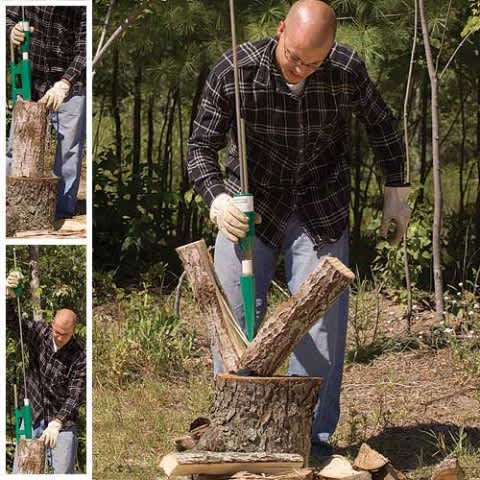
78 63
385 139
209 134
76 392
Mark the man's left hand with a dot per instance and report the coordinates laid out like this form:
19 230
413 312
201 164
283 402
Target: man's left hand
396 209
55 96
50 434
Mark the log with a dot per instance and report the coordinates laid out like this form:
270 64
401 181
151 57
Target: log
222 328
29 139
448 469
31 203
337 467
291 321
261 414
300 474
30 456
369 459
214 463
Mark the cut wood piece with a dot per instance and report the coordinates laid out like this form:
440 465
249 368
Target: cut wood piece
31 203
190 440
337 467
222 328
369 459
261 414
227 463
301 474
289 323
448 469
30 456
391 473
30 129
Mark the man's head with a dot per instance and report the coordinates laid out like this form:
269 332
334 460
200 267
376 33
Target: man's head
63 326
305 39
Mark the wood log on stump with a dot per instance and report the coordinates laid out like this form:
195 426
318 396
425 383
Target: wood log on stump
297 474
261 414
30 456
222 328
292 320
31 203
29 139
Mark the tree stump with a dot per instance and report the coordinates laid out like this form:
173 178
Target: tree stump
30 456
30 120
261 414
31 203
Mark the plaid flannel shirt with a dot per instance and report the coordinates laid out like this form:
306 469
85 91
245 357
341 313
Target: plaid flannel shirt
58 45
56 381
297 148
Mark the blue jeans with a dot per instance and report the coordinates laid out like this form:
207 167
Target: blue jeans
62 458
70 126
321 352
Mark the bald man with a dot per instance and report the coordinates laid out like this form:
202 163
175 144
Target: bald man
56 379
298 91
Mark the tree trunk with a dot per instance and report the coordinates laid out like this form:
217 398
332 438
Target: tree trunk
437 184
291 321
261 414
137 132
29 139
31 456
31 203
35 282
117 119
477 203
150 134
219 320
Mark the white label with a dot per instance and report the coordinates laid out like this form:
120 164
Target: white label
247 267
244 203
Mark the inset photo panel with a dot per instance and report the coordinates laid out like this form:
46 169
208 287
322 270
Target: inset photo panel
46 115
46 359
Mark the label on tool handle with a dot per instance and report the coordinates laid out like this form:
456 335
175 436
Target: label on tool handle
244 202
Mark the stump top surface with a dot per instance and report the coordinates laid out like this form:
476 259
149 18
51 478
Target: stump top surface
33 179
275 379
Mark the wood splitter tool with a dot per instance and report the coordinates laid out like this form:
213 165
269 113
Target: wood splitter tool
21 72
244 200
23 415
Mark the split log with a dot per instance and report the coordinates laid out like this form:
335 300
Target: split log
29 139
225 463
369 459
389 472
291 321
30 456
221 326
337 467
448 469
300 474
261 414
31 203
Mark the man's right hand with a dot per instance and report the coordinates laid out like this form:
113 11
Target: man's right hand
229 219
17 35
13 281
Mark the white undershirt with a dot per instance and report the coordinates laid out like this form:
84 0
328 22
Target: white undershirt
296 88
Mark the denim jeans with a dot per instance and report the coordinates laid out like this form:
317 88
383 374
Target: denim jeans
63 456
70 126
321 352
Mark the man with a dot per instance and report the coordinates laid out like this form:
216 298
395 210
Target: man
56 379
297 92
58 56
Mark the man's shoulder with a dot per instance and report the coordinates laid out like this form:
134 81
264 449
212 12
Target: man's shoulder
345 58
249 55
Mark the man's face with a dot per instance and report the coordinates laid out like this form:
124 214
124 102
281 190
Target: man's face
63 327
295 56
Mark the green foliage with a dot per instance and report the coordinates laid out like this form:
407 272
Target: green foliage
146 341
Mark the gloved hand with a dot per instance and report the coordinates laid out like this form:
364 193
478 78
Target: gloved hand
55 96
50 434
17 34
396 209
13 280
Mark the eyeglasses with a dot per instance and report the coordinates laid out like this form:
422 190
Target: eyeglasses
294 59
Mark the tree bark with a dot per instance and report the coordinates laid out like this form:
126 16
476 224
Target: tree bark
291 321
297 474
31 456
29 139
117 119
213 463
261 414
437 184
219 320
31 203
